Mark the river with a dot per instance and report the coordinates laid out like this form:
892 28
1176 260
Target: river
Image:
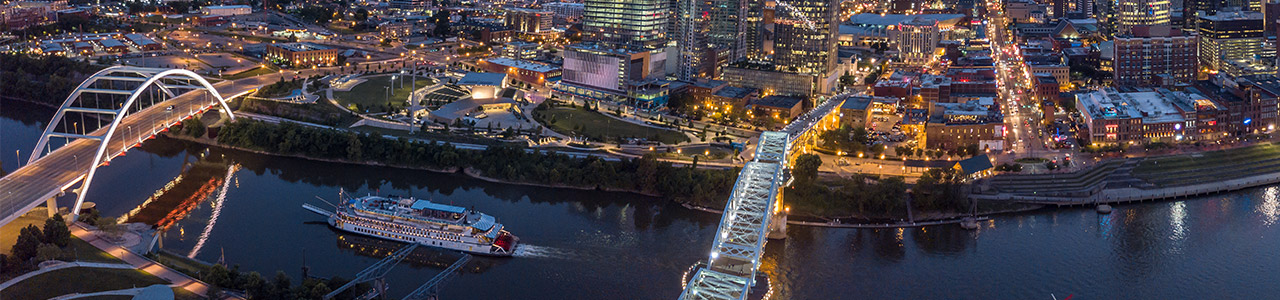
595 245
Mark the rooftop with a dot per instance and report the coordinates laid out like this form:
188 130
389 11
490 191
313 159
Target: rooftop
300 47
1152 106
522 64
228 7
786 102
736 92
477 78
895 19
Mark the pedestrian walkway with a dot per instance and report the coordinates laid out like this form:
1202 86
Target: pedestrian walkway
77 264
178 279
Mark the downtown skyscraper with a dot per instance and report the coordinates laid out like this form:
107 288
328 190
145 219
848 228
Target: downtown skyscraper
636 24
1130 13
805 39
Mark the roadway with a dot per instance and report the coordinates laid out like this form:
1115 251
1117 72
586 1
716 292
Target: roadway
47 177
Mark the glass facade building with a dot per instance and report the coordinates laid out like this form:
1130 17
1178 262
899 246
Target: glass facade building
638 24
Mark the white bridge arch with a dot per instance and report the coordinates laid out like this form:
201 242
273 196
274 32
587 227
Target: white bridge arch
127 90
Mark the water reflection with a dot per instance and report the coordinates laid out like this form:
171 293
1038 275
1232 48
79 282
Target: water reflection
1270 206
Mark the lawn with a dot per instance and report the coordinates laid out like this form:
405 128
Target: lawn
370 96
81 250
598 127
321 112
180 263
1219 165
78 280
250 73
1211 159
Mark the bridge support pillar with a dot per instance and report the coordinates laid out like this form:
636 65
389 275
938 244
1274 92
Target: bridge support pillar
777 226
52 205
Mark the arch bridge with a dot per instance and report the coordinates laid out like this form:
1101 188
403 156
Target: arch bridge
755 211
111 112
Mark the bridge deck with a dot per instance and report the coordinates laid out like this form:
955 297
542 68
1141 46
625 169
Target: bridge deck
740 239
29 186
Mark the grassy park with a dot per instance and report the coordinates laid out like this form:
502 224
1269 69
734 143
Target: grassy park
250 73
598 127
370 96
88 280
1218 165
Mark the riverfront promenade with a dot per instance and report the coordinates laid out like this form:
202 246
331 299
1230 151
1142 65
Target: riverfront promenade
1141 179
175 278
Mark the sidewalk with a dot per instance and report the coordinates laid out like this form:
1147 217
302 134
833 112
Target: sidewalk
177 279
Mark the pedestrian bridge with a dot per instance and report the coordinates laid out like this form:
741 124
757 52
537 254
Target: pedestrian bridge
755 212
111 112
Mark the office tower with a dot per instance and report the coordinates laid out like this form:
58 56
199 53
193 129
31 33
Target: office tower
805 39
1060 9
1141 12
708 30
727 28
639 24
528 20
1154 56
693 25
1229 35
754 22
916 39
1086 7
1270 14
1211 7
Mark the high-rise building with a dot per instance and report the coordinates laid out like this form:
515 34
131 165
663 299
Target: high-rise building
805 36
727 26
569 12
638 24
1131 13
1151 56
1190 8
1271 15
692 23
1086 7
1229 35
916 40
528 20
605 73
753 40
1060 8
708 28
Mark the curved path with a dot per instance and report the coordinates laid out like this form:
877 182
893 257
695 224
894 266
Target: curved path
76 264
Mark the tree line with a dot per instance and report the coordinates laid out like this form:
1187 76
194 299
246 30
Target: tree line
42 79
646 174
938 190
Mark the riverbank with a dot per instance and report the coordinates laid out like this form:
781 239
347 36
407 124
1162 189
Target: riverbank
470 172
623 172
1143 179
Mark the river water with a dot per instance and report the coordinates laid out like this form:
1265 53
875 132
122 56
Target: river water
594 245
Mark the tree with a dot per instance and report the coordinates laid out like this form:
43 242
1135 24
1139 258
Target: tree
28 243
806 169
361 15
218 275
48 252
441 19
255 285
281 286
56 232
318 291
